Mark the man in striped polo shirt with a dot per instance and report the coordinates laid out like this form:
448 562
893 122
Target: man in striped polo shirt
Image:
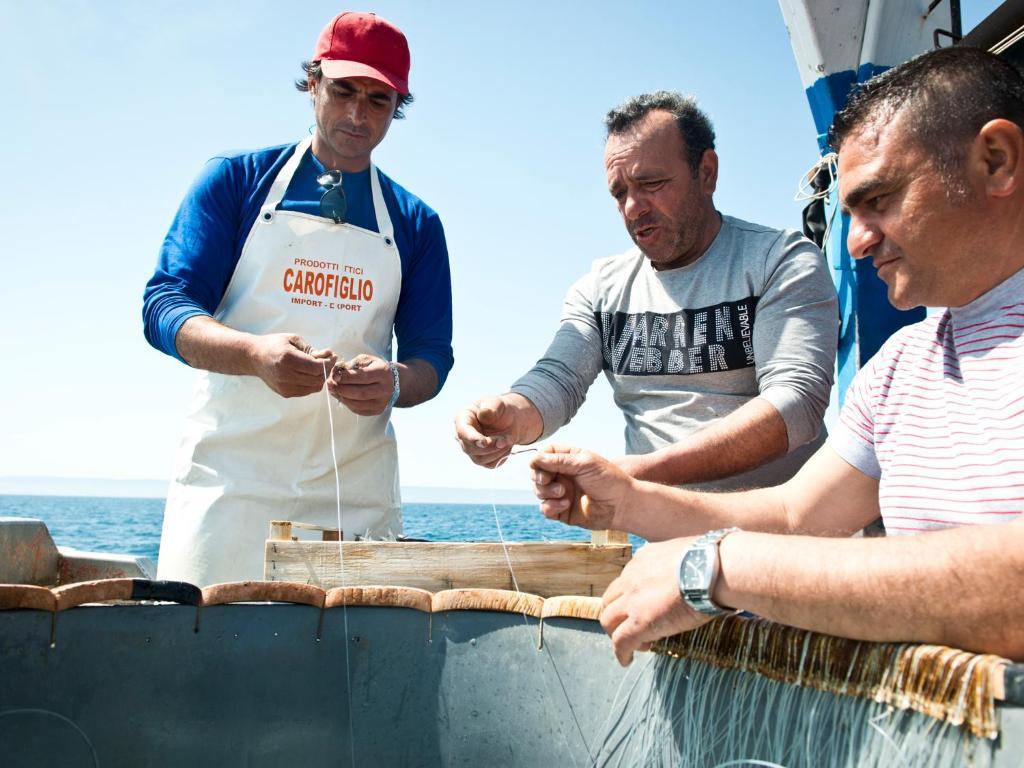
931 169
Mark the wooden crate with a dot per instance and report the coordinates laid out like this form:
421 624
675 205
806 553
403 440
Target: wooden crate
541 568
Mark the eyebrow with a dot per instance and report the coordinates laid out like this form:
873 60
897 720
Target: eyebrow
858 193
340 83
653 173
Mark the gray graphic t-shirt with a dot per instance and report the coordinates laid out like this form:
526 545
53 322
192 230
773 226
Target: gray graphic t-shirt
755 316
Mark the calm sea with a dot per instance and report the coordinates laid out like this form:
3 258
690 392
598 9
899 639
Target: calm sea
132 526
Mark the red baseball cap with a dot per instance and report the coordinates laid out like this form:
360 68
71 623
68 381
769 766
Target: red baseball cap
364 45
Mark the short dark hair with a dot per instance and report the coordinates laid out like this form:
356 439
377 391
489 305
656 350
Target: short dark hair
313 72
694 125
947 94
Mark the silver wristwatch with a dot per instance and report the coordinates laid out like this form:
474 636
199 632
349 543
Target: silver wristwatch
698 572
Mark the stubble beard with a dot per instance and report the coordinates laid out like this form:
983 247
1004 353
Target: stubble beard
679 251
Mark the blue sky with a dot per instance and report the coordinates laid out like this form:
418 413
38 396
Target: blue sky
110 109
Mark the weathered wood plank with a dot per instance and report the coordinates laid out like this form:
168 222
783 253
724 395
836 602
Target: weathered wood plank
603 538
540 568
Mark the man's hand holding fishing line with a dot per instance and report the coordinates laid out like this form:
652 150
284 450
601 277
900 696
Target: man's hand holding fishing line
289 366
643 604
285 362
489 429
363 384
577 487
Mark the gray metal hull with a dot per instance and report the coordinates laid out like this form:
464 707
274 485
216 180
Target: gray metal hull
131 685
255 687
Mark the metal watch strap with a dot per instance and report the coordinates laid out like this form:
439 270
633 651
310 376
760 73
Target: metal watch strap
398 385
700 599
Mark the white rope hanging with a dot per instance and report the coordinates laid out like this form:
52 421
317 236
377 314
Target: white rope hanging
805 186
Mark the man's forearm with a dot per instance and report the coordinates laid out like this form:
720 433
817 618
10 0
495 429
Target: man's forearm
748 437
418 382
209 345
557 384
827 498
956 587
284 362
657 512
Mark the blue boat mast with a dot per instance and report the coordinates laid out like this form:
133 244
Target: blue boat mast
837 46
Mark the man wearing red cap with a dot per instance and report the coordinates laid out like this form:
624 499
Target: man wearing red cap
285 268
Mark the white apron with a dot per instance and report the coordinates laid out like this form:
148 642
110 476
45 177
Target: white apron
248 455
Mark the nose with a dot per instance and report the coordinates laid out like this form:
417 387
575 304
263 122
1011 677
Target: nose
356 111
634 206
862 238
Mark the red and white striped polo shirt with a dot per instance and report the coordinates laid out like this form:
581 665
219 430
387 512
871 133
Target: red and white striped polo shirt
938 416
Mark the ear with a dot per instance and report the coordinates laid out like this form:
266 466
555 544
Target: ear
708 172
998 153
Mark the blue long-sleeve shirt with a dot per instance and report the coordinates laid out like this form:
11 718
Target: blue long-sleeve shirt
204 243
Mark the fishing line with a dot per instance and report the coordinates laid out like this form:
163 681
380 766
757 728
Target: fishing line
608 726
690 712
341 558
62 718
526 623
873 722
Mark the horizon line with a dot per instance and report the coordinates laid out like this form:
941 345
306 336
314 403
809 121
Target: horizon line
151 488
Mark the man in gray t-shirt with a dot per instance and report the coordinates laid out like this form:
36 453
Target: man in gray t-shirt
718 336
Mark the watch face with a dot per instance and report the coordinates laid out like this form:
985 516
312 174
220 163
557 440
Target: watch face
696 570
